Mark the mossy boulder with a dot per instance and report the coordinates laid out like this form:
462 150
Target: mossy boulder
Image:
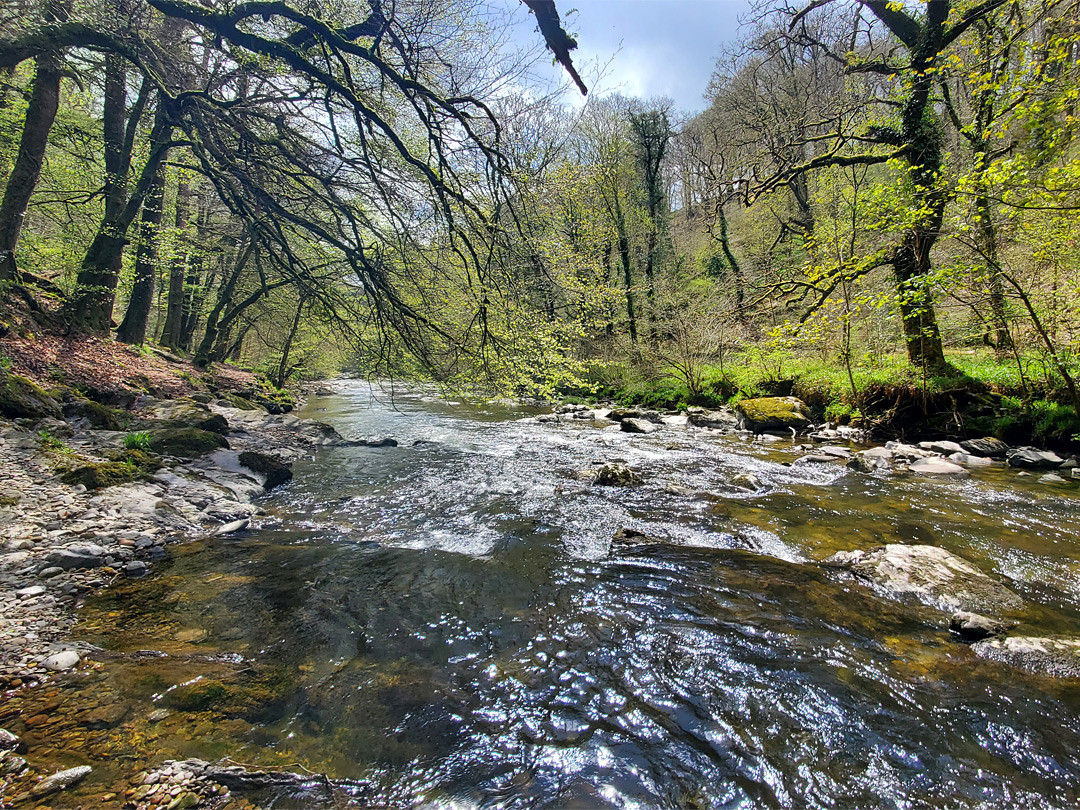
145 462
200 696
215 423
241 403
100 476
21 399
773 413
274 471
186 442
616 475
98 416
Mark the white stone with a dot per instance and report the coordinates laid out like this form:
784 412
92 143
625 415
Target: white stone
60 661
936 466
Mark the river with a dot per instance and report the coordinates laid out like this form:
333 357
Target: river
447 623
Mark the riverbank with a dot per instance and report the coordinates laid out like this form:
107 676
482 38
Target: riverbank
1021 401
130 453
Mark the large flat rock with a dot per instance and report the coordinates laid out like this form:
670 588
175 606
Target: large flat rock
1057 656
930 575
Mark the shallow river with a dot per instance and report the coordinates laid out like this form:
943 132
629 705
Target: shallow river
447 624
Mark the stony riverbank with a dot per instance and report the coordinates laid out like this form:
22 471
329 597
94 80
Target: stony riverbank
85 502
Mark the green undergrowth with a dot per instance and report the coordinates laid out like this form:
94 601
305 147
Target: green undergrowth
982 397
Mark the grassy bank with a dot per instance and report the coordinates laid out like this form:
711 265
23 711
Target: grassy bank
1020 403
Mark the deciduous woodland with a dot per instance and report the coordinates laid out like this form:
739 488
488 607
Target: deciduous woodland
878 209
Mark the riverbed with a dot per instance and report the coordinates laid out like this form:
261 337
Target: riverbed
447 623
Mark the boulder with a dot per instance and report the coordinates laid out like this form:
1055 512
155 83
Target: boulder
616 475
74 558
944 447
988 446
930 575
1051 478
58 662
878 452
773 413
619 414
215 423
1028 458
1056 656
936 466
91 413
814 458
274 472
975 627
21 399
186 442
747 481
723 419
100 476
969 460
867 464
59 781
631 425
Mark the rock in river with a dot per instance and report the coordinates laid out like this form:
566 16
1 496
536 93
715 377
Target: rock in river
58 662
989 447
930 575
616 475
773 413
936 466
975 627
1056 656
1030 459
637 426
59 781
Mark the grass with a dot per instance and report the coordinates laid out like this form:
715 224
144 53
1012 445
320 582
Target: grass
140 440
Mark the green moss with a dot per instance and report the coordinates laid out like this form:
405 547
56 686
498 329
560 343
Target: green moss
773 412
99 416
215 423
185 442
242 403
100 476
140 459
22 399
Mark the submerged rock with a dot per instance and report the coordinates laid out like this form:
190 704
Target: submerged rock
773 413
930 575
1056 656
59 781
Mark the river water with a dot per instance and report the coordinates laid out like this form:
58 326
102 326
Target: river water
448 624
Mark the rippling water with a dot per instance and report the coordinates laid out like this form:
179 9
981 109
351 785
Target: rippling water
447 624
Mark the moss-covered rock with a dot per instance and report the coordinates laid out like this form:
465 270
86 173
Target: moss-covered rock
773 413
241 403
145 462
186 442
215 423
97 415
21 399
275 471
100 476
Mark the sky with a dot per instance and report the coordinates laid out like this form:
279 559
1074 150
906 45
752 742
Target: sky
648 48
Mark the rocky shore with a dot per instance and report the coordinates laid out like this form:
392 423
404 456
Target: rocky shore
85 502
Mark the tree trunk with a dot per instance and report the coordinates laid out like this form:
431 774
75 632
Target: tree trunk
133 327
95 293
174 306
921 332
208 346
283 366
40 114
987 236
